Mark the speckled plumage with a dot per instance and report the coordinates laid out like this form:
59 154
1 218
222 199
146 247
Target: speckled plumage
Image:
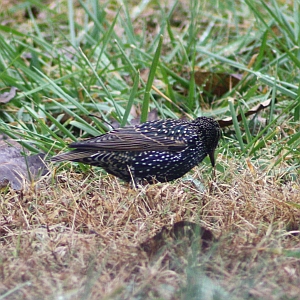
162 149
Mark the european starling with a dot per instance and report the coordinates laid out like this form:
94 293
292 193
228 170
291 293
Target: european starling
161 150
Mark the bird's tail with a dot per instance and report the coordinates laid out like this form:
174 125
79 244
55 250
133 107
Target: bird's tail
75 155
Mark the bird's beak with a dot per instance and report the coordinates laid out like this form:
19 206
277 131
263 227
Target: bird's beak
212 158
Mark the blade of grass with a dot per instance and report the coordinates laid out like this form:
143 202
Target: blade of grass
236 124
255 145
109 95
131 98
260 16
192 85
268 80
245 124
153 67
71 18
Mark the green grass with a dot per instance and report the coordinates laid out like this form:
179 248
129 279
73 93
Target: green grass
80 65
79 70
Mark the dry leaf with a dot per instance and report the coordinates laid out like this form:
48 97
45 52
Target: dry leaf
228 121
7 96
14 167
216 83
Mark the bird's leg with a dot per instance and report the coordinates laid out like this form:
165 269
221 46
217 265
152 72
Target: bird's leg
134 182
214 173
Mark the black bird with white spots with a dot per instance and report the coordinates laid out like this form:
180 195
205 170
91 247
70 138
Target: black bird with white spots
161 150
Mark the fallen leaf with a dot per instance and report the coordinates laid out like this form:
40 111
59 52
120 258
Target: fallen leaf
15 168
7 96
216 83
228 121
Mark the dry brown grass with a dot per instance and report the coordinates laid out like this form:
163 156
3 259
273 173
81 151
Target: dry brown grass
79 236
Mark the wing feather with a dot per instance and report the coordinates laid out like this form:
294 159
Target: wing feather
75 155
131 139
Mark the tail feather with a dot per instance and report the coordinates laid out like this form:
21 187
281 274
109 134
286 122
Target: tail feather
75 155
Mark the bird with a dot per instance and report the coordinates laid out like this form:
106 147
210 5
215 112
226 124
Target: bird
154 151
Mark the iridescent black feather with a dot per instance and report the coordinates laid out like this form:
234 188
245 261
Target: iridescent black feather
163 150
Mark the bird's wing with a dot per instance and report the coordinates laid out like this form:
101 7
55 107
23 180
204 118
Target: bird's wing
132 139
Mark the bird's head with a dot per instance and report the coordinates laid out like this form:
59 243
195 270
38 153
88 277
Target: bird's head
209 133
